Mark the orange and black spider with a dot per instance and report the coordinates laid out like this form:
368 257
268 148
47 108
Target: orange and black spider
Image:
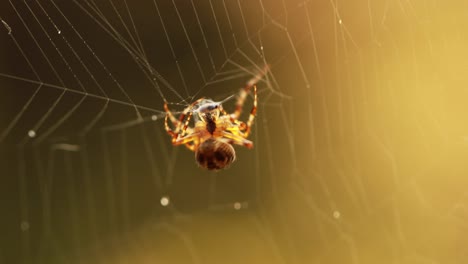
215 130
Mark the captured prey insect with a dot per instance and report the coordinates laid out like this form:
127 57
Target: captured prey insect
215 130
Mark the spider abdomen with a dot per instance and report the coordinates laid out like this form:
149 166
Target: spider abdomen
213 154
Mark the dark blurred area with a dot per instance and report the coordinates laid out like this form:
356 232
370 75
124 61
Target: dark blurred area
360 139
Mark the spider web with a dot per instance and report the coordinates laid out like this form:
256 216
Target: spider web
360 143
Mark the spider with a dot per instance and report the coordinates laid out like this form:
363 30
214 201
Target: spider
215 130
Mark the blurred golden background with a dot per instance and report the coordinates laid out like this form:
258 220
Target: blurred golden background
360 139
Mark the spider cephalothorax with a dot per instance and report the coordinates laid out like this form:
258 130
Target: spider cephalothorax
210 120
215 130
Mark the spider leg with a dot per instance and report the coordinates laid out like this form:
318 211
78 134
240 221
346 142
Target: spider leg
244 91
178 122
234 116
241 125
175 122
188 109
185 127
253 112
237 139
178 134
187 140
190 146
240 101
